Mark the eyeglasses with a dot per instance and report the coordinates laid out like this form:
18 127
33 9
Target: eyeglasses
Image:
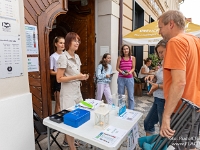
77 41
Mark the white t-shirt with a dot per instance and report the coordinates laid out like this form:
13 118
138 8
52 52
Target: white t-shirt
159 75
140 75
53 61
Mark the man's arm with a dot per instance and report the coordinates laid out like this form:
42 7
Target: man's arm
175 94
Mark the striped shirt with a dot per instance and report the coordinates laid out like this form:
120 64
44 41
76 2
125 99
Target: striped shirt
125 65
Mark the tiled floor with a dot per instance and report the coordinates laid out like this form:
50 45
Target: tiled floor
142 104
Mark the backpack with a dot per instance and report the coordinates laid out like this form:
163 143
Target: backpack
95 77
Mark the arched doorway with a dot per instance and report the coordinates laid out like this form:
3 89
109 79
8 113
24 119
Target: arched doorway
77 18
81 21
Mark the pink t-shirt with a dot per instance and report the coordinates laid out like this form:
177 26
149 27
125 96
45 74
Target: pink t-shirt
125 65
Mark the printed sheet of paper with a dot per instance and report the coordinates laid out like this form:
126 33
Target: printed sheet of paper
31 39
111 135
132 139
130 116
33 64
10 56
9 17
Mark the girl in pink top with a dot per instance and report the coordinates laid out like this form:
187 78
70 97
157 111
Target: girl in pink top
126 66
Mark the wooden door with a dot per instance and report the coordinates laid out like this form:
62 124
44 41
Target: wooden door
80 19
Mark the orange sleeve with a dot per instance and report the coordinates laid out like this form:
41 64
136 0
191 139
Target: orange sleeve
176 55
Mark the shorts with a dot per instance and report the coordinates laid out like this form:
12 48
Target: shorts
142 80
185 140
56 86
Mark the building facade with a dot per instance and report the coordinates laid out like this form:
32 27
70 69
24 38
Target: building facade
100 24
137 13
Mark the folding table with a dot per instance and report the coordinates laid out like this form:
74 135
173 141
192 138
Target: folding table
88 131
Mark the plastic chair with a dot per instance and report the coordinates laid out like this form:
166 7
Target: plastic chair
42 130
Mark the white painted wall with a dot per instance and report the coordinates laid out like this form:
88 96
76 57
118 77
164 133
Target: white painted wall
16 123
107 32
16 115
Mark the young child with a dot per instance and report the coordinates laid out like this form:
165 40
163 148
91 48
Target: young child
59 45
104 75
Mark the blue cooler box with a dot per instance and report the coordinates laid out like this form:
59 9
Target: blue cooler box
76 117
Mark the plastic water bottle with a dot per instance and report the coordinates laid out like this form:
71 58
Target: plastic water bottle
113 106
148 86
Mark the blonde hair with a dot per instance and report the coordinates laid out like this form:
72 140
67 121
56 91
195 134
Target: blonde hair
174 15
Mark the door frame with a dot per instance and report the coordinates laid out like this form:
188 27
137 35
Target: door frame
45 24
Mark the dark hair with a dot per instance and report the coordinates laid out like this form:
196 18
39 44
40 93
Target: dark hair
162 43
69 38
147 60
122 53
56 40
103 62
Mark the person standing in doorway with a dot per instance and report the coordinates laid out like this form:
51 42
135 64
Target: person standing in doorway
59 45
181 76
104 75
70 76
126 66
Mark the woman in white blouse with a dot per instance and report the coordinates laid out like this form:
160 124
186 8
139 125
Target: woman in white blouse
70 76
144 71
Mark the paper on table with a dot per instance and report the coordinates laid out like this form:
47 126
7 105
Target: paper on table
130 116
111 135
106 138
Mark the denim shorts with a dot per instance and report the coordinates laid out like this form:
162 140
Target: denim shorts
155 115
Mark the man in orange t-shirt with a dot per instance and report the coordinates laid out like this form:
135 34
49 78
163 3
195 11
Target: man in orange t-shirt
181 72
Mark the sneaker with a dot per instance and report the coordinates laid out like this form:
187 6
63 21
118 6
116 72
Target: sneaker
77 144
65 144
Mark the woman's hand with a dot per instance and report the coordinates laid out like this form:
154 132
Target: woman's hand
87 76
151 71
125 72
108 76
130 72
82 76
154 87
149 78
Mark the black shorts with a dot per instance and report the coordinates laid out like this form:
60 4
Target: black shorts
142 80
56 86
